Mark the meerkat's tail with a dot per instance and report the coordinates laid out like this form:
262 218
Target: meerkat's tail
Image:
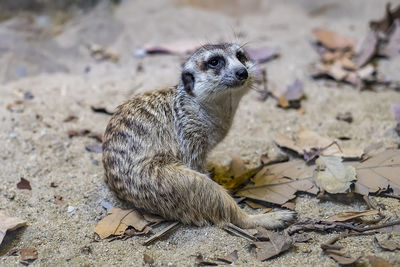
193 198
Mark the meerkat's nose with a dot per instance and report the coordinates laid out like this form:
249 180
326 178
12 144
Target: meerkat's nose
242 74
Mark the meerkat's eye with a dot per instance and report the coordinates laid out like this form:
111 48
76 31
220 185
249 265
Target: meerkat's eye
241 56
215 62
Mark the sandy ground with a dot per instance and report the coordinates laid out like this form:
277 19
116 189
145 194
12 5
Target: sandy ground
54 64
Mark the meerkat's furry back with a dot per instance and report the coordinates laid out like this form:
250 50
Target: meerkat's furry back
156 144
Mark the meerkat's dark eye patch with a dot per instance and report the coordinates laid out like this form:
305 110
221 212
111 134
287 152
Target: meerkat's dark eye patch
216 62
188 82
241 56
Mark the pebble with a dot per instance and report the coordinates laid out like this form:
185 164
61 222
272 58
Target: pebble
70 209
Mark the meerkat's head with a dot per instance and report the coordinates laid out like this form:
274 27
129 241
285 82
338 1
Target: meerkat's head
214 70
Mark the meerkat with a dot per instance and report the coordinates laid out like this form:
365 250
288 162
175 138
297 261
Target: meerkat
155 145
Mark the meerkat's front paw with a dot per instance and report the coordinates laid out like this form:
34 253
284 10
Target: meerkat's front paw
275 219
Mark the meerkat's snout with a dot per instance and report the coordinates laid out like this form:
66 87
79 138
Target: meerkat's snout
242 74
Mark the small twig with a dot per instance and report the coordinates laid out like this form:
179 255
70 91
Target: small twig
233 229
388 195
160 234
325 225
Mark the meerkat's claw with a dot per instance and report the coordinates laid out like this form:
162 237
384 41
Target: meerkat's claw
273 220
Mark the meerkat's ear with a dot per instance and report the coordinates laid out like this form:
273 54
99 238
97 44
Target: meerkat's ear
188 82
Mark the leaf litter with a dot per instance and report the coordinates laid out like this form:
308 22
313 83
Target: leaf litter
8 223
341 62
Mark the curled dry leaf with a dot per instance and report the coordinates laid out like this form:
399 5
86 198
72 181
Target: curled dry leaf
349 215
333 176
368 49
118 220
308 142
396 111
379 172
383 25
9 224
24 184
277 244
342 260
230 258
392 49
28 254
278 183
388 244
333 40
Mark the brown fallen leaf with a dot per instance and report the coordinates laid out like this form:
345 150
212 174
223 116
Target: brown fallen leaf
278 183
333 176
94 148
392 49
53 184
290 205
262 54
118 220
379 172
24 184
368 49
333 40
308 142
378 262
254 205
28 254
349 215
384 24
342 260
278 243
230 258
9 224
396 111
388 244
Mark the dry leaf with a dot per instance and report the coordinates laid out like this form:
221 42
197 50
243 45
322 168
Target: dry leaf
254 205
9 224
290 205
234 177
53 184
308 142
333 176
396 111
230 258
392 49
278 243
388 244
368 49
278 183
333 40
343 260
262 54
349 215
385 23
378 262
378 172
28 254
24 184
118 220
94 148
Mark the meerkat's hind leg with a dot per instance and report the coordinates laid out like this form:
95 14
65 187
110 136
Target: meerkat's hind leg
273 220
